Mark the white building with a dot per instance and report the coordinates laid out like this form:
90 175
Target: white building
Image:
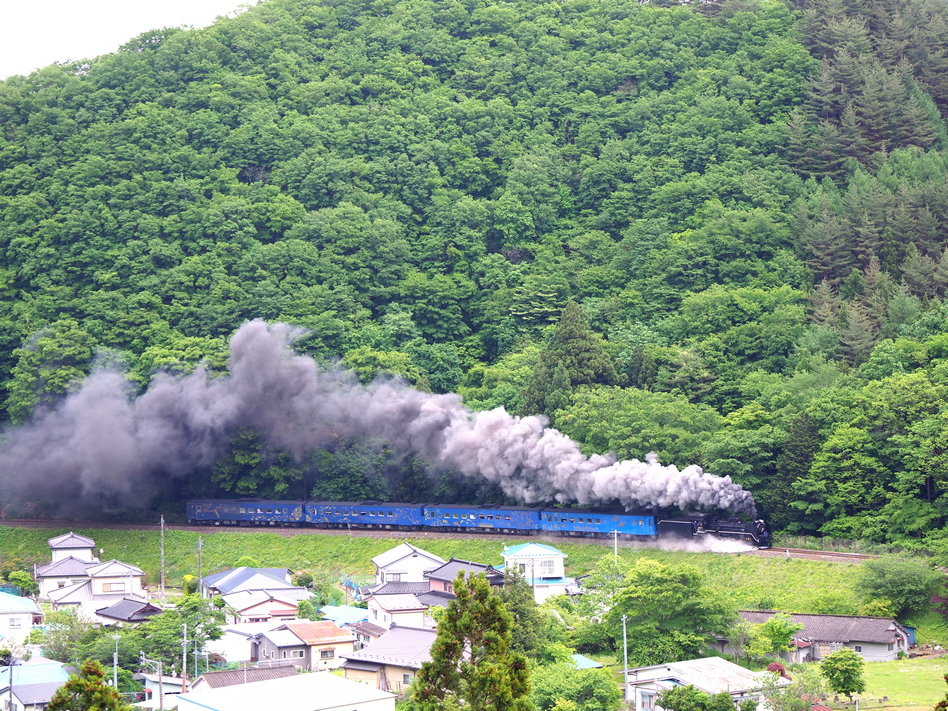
404 564
402 610
711 675
541 565
18 615
72 545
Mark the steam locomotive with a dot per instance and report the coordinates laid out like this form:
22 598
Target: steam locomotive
458 518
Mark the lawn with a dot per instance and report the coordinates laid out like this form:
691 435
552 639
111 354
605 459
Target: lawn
912 683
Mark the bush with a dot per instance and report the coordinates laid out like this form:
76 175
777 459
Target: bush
908 583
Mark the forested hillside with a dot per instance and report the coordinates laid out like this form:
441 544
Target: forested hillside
713 231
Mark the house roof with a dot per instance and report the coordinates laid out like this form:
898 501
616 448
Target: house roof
395 588
532 550
245 578
67 567
711 675
403 550
397 603
282 638
344 614
303 692
321 632
15 603
436 598
49 672
113 569
367 628
33 694
581 662
247 675
129 610
82 592
245 599
70 540
449 571
406 647
835 628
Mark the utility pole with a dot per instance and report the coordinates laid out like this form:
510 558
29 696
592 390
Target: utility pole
162 560
201 565
161 687
615 545
184 661
625 662
115 663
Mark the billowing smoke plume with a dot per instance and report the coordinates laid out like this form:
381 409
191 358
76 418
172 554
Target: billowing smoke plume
102 443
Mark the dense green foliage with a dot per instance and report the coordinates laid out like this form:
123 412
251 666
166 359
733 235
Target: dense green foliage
714 231
843 671
87 691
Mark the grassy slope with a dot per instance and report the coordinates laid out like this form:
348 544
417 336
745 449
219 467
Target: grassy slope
915 682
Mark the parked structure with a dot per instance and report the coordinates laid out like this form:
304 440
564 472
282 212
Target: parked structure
877 639
541 565
311 646
404 564
711 675
391 662
18 616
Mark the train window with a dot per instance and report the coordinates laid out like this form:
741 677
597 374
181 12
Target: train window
641 522
572 520
362 513
390 514
489 517
506 518
259 510
269 510
562 520
371 513
481 517
455 515
243 510
597 520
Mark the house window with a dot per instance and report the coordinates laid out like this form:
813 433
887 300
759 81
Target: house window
394 577
14 622
327 653
406 679
890 646
113 587
858 647
61 584
284 654
546 567
375 614
448 587
296 654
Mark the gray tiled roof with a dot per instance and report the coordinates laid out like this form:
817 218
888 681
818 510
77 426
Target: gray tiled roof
243 579
230 677
367 628
436 598
834 628
449 571
33 694
395 588
70 540
129 610
406 647
67 567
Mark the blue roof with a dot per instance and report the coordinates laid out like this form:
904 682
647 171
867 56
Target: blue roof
15 603
344 614
539 548
581 662
34 674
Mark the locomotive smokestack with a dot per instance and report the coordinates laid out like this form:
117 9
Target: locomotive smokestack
102 442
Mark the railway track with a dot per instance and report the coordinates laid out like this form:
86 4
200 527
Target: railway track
807 554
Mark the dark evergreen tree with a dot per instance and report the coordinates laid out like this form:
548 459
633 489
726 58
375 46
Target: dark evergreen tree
87 691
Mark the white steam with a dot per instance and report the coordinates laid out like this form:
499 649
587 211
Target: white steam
101 443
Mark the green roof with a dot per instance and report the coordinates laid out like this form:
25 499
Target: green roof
14 603
528 549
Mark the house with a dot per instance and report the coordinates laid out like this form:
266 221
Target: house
711 675
391 662
365 633
402 610
34 684
166 685
244 578
104 585
877 639
234 644
541 565
72 545
303 692
265 605
128 612
441 579
18 616
312 646
404 564
247 675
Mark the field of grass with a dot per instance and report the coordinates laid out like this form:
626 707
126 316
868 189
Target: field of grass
912 683
750 581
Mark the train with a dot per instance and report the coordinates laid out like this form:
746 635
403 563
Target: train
485 518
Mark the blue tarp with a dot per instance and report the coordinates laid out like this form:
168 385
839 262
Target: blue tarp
581 662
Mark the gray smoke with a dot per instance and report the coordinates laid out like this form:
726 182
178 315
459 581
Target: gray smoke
101 443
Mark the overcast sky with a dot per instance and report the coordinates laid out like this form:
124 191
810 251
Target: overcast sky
36 33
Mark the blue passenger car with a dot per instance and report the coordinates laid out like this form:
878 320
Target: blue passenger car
245 512
581 522
365 514
482 518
